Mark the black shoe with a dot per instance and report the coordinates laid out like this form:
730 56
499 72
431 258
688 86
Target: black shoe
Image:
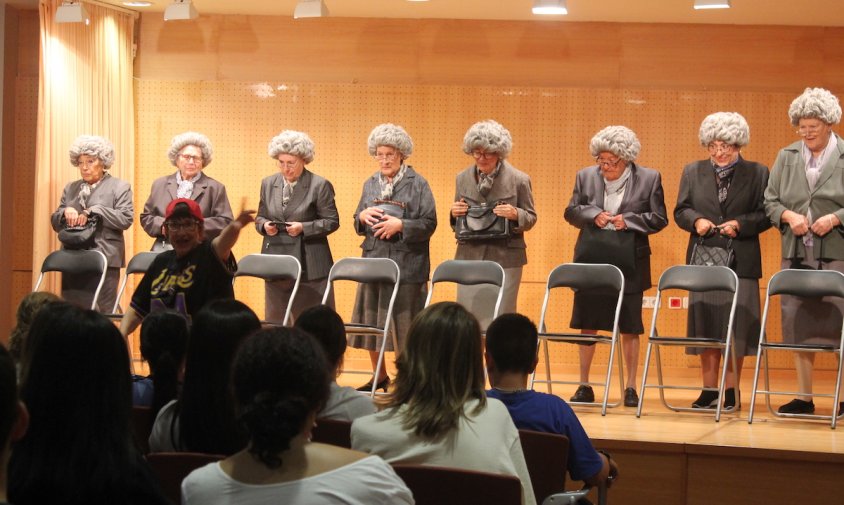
584 394
706 400
383 384
730 399
796 406
631 399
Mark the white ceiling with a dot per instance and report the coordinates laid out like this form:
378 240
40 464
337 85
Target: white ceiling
753 12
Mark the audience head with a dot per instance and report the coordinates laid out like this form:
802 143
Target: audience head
13 415
164 339
29 306
206 417
326 326
440 369
511 344
280 381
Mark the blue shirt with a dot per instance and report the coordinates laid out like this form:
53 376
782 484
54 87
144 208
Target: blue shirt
536 411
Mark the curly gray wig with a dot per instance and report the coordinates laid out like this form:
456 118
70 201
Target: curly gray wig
191 139
728 127
99 147
619 140
294 143
488 136
815 103
391 135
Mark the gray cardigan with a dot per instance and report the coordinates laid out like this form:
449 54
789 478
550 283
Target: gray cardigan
411 251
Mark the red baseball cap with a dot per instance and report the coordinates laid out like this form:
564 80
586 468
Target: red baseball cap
183 207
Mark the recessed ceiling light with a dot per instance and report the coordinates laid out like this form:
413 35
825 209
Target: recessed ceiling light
550 7
712 4
137 4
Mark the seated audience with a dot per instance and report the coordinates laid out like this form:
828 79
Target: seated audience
28 307
280 381
438 413
511 357
326 326
14 418
75 382
164 337
202 418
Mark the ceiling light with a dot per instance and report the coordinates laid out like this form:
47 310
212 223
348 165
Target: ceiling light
72 12
550 7
712 4
137 4
180 9
310 9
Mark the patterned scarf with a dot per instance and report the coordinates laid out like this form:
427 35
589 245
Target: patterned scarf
387 185
724 177
86 189
185 187
287 192
485 181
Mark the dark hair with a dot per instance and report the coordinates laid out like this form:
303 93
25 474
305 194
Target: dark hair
164 338
77 387
440 369
206 412
28 307
511 342
8 396
322 322
279 378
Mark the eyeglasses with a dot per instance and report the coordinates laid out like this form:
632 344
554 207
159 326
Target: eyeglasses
287 164
386 156
485 155
607 163
723 148
806 130
181 225
189 158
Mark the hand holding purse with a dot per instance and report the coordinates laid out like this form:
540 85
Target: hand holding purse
481 223
707 255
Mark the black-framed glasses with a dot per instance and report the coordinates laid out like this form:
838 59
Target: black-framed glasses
181 225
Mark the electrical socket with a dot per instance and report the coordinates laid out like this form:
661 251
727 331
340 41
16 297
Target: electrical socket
648 302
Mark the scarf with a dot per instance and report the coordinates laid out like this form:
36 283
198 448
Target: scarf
485 181
724 177
286 192
387 185
614 193
185 187
86 189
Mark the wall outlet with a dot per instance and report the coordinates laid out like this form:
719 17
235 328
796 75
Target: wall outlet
675 302
648 302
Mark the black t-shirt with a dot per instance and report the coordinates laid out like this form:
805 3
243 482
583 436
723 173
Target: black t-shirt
184 284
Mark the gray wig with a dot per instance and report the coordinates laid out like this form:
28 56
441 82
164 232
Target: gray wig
294 143
619 140
191 139
488 136
391 135
99 147
728 127
815 103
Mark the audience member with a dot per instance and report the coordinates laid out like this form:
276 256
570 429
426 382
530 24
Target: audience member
77 387
280 381
438 413
14 418
164 338
28 307
202 419
326 326
511 357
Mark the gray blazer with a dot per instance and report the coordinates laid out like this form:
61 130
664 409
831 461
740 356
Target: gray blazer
698 198
643 208
410 250
511 186
112 201
207 192
788 189
312 204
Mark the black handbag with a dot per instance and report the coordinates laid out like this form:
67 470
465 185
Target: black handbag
391 207
712 256
595 245
79 237
481 223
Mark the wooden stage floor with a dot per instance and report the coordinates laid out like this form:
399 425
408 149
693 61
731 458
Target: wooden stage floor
686 458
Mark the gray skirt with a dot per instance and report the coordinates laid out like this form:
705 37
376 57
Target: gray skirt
371 305
277 295
709 314
812 320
